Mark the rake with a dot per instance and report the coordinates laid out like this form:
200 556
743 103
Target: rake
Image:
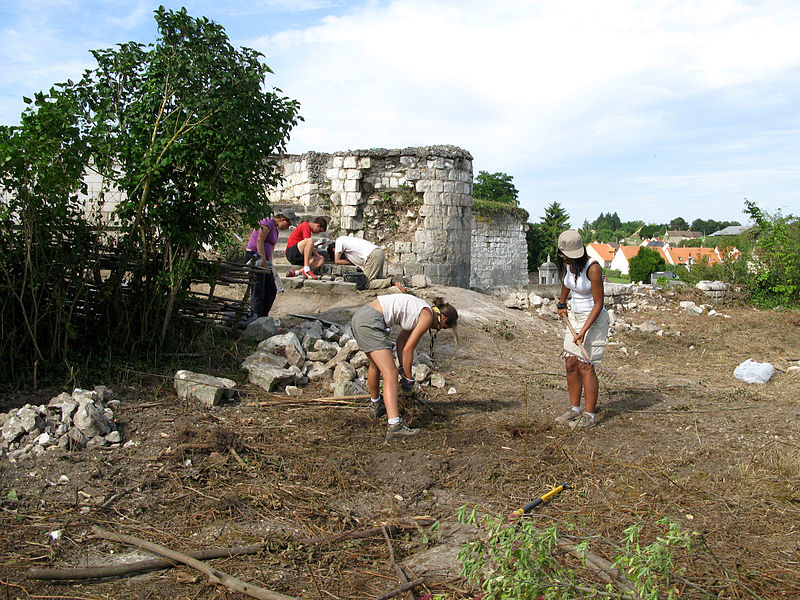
605 372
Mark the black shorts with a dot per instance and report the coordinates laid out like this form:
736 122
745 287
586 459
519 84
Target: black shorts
294 256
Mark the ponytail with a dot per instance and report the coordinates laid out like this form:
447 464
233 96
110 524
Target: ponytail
447 310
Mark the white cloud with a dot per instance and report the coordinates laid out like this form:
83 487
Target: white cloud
571 98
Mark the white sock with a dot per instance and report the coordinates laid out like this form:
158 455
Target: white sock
590 415
576 409
306 269
375 400
394 421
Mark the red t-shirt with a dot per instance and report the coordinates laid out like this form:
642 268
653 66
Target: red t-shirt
300 233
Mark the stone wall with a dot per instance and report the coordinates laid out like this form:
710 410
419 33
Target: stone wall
416 203
499 252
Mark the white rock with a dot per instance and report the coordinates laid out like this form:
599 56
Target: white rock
437 380
206 389
344 371
452 391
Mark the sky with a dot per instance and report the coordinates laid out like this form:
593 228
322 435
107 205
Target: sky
651 109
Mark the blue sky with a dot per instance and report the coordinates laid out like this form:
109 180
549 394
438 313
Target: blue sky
652 109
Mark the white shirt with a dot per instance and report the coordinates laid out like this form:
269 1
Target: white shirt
354 249
582 299
402 310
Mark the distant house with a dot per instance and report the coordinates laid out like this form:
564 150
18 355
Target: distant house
731 230
691 256
686 257
676 236
602 253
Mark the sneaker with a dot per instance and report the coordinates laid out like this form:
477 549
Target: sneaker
377 409
583 423
401 430
570 415
310 275
292 273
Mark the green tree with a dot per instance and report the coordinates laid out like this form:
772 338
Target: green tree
776 256
555 221
647 261
652 230
537 246
42 230
678 224
185 128
497 187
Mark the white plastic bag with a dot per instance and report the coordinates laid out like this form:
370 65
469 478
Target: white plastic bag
752 371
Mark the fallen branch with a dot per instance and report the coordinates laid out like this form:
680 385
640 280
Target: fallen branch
142 566
215 575
402 574
157 564
401 589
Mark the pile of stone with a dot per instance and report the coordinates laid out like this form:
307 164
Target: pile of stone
74 421
523 300
316 351
716 290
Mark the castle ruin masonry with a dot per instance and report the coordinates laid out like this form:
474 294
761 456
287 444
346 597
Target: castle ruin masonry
417 204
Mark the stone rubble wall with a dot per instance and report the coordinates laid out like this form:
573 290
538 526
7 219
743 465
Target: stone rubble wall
499 252
416 203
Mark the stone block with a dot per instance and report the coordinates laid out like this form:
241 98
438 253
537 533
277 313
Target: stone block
350 162
260 329
277 343
269 378
343 371
206 389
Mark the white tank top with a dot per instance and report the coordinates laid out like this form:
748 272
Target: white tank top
582 299
402 309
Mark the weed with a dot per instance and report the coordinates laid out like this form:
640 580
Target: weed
518 561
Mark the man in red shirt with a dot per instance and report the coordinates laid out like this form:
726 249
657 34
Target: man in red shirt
300 248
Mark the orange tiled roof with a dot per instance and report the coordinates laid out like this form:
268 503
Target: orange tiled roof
605 251
683 256
630 251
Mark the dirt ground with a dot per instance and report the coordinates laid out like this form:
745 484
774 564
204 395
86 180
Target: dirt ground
678 436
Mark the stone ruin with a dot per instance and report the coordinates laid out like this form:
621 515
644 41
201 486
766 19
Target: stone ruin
74 421
289 359
416 203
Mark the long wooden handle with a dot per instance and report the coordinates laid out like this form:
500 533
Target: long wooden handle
574 334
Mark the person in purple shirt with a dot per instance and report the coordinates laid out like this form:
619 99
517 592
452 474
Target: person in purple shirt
262 241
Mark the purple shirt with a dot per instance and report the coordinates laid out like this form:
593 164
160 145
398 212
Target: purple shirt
269 242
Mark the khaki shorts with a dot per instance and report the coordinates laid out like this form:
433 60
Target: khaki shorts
370 330
595 339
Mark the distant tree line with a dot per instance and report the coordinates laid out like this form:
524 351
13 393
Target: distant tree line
609 228
767 267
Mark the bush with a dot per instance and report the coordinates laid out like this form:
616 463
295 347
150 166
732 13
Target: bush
774 259
647 261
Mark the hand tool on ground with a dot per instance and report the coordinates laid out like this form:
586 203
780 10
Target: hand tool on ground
546 498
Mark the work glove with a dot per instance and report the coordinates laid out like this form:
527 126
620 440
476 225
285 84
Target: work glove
407 384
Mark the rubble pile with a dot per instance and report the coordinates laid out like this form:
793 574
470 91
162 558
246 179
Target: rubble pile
74 421
313 351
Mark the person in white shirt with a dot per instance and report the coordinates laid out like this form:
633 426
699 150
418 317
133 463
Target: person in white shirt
583 278
371 325
349 250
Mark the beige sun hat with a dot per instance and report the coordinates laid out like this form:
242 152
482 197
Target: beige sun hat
570 244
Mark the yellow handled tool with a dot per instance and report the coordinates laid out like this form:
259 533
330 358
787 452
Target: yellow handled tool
546 498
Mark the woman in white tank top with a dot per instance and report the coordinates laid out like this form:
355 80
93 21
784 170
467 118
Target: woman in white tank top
583 277
371 325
